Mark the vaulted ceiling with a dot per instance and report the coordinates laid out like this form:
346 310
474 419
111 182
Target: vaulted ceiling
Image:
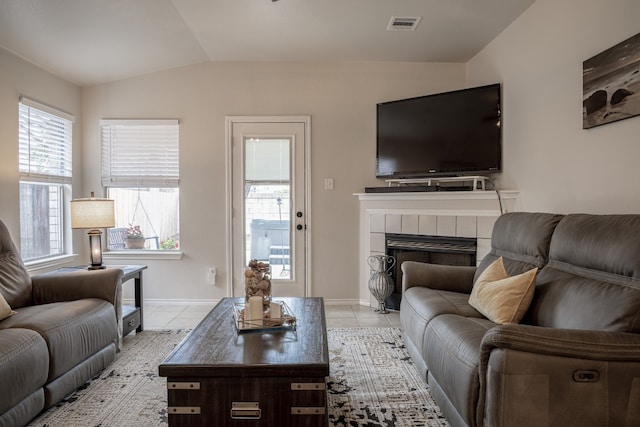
90 42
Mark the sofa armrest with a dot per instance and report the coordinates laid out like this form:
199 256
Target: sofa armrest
57 287
582 344
435 276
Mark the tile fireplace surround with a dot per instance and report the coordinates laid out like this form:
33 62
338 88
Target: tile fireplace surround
451 214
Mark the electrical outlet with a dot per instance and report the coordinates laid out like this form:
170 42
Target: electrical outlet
211 275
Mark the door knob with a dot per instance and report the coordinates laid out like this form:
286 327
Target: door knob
299 227
299 214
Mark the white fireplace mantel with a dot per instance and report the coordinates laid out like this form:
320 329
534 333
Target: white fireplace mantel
443 213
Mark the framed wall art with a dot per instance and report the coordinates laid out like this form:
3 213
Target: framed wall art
611 84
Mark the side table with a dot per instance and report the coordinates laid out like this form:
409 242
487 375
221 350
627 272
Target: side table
132 316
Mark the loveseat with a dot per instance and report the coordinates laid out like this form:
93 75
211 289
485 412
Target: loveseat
61 330
574 357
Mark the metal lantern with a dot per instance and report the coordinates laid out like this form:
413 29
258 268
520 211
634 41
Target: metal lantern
380 282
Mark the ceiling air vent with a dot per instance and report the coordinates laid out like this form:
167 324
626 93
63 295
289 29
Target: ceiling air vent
403 23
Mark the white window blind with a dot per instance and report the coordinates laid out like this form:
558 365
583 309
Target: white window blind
267 160
44 139
140 153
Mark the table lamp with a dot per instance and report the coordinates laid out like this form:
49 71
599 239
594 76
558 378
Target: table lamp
93 213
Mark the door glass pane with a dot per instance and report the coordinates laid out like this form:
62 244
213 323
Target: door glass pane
267 193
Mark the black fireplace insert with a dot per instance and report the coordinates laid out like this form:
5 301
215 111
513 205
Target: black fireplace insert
430 249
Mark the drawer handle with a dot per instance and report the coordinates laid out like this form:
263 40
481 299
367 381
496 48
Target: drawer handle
131 322
245 411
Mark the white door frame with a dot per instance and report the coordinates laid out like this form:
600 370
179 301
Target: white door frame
306 121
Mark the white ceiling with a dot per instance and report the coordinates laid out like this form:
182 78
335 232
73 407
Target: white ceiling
90 42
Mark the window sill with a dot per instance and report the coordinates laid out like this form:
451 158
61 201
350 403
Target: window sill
142 254
44 265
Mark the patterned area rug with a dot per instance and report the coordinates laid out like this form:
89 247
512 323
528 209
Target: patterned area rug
372 383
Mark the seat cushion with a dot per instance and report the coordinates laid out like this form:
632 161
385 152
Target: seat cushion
452 352
421 305
73 330
24 365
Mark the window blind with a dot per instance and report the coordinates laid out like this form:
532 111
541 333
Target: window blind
140 153
45 143
267 160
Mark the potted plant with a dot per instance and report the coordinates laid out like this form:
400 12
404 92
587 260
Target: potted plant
134 239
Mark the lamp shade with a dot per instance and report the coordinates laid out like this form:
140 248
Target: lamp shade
92 213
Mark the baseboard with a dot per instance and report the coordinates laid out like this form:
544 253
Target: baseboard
130 301
343 302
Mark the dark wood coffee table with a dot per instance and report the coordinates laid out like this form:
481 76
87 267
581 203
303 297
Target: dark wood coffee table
219 377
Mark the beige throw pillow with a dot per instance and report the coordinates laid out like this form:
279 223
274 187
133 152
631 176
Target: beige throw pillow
500 298
5 309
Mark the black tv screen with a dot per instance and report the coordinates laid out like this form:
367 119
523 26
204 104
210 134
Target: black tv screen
446 134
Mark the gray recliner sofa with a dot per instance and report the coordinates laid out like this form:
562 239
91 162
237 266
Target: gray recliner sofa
573 360
64 331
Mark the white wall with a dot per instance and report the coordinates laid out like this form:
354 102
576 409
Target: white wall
341 100
555 164
18 77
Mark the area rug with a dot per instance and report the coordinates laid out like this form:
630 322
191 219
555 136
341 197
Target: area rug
372 383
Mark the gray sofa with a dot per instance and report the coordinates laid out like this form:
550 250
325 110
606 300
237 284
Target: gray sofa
573 360
64 332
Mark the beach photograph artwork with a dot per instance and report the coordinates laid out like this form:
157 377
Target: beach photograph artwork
611 84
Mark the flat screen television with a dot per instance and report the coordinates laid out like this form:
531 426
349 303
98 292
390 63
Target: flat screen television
447 134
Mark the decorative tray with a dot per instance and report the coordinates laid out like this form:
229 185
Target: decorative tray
287 320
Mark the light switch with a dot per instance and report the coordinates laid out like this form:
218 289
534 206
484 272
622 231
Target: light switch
211 275
328 184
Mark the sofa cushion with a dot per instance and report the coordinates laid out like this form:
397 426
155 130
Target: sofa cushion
73 330
522 240
5 308
592 280
424 304
24 365
452 352
15 282
500 297
421 305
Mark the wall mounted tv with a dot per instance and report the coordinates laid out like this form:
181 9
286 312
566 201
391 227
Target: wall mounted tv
447 134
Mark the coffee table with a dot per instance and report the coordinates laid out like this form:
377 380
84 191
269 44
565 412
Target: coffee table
218 376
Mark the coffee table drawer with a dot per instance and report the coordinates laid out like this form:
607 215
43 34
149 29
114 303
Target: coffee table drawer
252 402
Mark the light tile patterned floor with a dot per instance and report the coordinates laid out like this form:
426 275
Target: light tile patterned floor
176 316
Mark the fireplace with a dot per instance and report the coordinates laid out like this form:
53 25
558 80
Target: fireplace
430 249
448 214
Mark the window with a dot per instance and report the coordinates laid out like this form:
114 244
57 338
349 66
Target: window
140 169
44 139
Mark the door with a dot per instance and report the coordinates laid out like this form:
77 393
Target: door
269 216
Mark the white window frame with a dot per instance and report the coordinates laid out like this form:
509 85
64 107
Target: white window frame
39 122
135 158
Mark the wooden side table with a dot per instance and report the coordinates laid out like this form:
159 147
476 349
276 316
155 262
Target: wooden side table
132 316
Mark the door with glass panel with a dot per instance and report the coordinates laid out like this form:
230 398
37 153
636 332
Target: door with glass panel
269 212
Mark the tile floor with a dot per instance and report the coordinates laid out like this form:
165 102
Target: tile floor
176 316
